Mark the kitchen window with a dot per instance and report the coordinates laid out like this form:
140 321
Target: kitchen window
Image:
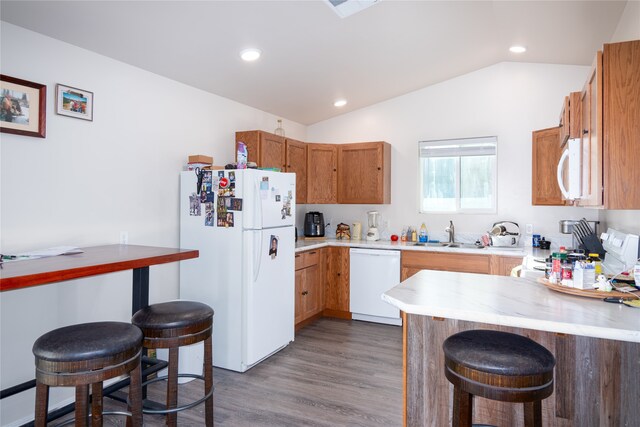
458 175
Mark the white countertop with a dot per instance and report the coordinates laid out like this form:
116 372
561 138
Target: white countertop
512 301
305 245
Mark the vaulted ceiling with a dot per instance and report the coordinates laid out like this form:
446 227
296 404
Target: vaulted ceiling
310 56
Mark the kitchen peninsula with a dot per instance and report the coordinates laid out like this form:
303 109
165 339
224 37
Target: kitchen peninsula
596 345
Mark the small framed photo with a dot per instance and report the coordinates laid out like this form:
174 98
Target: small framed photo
74 102
23 107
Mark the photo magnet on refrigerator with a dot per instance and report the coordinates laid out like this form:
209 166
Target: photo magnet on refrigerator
236 204
194 205
208 218
225 220
273 246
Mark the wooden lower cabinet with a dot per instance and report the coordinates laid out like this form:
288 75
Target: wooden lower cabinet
502 265
337 283
414 261
309 300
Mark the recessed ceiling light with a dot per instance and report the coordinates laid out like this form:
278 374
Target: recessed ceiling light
250 54
340 103
518 49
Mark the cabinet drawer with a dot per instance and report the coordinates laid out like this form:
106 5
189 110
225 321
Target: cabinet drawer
307 259
311 258
447 261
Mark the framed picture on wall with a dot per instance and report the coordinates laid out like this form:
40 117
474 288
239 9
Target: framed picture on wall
74 102
23 107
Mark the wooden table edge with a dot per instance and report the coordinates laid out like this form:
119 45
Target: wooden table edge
19 282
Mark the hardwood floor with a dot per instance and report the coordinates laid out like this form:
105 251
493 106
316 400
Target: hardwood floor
335 373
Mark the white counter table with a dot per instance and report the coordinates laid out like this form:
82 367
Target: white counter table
596 345
513 301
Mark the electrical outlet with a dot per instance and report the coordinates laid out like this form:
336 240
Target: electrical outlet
529 228
124 238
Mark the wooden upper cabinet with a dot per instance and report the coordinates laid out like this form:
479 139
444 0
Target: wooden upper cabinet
546 152
264 148
571 117
611 129
322 173
296 156
364 173
621 72
591 99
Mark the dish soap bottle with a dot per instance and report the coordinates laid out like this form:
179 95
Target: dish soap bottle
423 233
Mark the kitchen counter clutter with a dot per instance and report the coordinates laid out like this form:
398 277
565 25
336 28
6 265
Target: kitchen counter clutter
512 301
596 346
307 244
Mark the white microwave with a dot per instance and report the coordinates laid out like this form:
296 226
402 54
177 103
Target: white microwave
570 170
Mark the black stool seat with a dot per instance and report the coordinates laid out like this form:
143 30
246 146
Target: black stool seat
498 353
172 315
499 366
87 355
172 325
88 341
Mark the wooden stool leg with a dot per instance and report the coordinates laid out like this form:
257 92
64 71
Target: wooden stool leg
82 405
42 404
172 387
462 408
96 404
208 381
135 398
533 414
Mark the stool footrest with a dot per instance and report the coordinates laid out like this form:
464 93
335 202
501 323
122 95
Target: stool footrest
177 408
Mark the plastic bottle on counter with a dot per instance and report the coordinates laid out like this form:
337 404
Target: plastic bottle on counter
556 267
423 233
595 259
414 235
403 235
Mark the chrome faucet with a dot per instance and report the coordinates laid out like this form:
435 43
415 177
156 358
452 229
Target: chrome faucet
450 229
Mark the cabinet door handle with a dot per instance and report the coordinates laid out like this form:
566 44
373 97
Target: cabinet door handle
305 292
379 168
311 253
335 170
338 274
585 131
297 256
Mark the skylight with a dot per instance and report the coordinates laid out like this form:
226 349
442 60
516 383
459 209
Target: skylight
345 8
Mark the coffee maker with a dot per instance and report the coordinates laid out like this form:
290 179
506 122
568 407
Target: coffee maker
372 232
314 224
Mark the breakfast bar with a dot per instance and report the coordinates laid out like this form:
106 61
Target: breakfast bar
596 346
91 261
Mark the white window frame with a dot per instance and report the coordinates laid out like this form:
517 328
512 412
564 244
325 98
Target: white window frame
456 147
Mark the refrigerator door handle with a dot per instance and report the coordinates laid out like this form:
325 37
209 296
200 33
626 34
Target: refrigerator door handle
257 257
258 200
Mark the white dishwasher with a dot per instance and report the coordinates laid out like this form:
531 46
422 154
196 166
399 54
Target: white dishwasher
373 272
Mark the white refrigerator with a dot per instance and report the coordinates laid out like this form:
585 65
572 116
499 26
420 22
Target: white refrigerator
242 222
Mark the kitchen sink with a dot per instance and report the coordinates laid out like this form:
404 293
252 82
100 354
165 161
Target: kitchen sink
450 245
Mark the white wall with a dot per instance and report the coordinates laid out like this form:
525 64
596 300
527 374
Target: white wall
87 181
628 29
629 25
507 99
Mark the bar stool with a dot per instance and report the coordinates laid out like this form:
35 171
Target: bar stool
498 366
88 354
172 325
